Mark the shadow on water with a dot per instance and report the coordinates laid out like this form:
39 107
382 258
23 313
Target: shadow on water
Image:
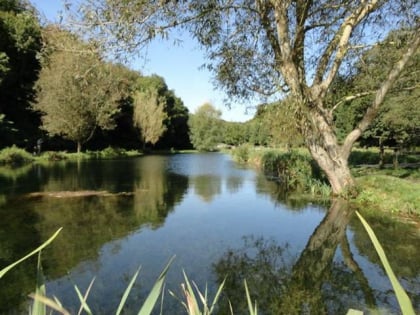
324 279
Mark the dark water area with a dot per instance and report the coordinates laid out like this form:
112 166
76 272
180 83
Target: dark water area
220 221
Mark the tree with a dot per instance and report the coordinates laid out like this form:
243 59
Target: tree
396 123
176 120
20 46
206 128
278 124
77 91
292 47
149 115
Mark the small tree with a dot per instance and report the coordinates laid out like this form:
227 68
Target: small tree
77 91
149 115
206 128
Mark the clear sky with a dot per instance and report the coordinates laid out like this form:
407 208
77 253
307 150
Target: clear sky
178 65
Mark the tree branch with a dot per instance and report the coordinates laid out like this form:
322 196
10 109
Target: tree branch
372 110
288 67
350 98
339 46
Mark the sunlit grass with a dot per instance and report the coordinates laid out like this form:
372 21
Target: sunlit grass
15 156
389 194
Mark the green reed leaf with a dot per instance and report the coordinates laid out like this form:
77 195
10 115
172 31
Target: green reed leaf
402 297
46 243
252 308
39 308
153 296
83 305
127 292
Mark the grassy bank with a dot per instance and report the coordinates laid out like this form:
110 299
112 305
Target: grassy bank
389 194
389 190
14 156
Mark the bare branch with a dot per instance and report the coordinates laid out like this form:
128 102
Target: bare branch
350 98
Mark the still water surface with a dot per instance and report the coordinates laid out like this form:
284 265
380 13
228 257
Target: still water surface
220 220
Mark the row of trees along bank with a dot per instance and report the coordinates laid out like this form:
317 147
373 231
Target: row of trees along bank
56 87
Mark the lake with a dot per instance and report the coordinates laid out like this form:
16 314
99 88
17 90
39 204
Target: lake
220 220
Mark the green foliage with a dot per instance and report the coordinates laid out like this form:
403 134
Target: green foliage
234 133
295 170
175 120
389 194
53 156
20 46
112 153
15 156
241 154
278 120
206 128
149 115
77 91
397 121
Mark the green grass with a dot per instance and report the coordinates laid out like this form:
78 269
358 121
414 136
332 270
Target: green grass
15 156
389 194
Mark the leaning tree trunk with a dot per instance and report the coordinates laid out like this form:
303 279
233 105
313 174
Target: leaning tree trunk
323 145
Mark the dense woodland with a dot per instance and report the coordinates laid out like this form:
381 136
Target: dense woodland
58 88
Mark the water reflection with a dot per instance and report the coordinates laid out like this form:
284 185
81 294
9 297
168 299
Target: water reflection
196 206
321 280
141 194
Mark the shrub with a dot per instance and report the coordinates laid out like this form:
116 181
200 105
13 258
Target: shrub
15 156
297 171
241 154
54 156
112 153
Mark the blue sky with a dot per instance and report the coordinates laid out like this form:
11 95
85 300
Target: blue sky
178 65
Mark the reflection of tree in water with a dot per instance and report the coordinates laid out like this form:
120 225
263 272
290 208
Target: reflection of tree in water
15 227
401 242
206 186
157 191
314 283
89 222
234 183
280 195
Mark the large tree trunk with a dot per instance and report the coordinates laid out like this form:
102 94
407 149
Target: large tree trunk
79 146
335 167
323 145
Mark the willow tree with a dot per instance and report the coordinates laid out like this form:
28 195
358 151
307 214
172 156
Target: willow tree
275 48
77 91
149 115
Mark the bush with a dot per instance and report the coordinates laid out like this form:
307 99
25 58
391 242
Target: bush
15 156
112 153
297 171
54 156
241 154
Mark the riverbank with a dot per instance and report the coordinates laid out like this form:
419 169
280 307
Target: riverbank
14 156
388 190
